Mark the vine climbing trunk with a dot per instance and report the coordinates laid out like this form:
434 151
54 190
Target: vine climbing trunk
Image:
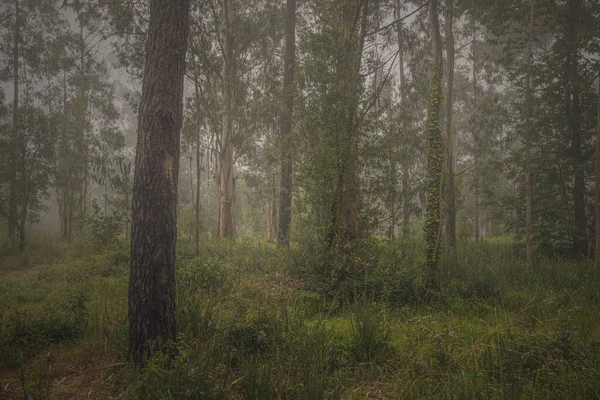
451 221
151 303
435 157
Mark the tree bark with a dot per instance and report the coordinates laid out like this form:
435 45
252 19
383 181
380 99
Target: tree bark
12 211
154 201
198 162
528 128
475 143
435 157
285 185
573 103
597 184
226 154
451 222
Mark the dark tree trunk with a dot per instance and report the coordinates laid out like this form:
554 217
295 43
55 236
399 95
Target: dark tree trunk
12 211
573 103
154 200
451 222
285 185
597 184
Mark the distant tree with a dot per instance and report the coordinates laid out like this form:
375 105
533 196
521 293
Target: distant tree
154 196
435 157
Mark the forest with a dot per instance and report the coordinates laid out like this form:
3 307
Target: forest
299 199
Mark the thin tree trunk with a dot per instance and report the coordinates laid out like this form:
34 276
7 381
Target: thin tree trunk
226 154
435 157
529 105
198 162
597 184
154 206
451 222
12 212
285 185
475 142
191 225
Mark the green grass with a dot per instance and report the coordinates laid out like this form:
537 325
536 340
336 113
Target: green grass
256 322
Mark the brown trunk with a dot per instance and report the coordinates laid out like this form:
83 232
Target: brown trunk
573 102
285 185
154 203
529 105
226 154
12 211
451 221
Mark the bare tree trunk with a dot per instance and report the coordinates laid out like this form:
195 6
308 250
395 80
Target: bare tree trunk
285 185
226 154
154 203
529 105
435 158
12 211
451 222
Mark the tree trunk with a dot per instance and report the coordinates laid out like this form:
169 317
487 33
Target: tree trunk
475 142
198 162
451 222
573 102
12 211
285 185
405 160
226 154
528 128
154 202
597 184
435 157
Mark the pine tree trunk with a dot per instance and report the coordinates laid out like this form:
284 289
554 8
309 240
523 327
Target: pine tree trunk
12 211
451 221
435 158
154 202
285 185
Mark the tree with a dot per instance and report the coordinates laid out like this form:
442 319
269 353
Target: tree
285 185
154 196
435 157
528 134
451 222
597 182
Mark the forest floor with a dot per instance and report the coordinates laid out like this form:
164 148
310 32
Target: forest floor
256 322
